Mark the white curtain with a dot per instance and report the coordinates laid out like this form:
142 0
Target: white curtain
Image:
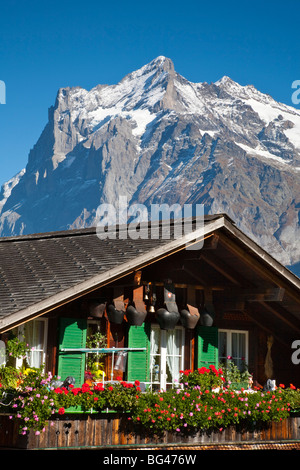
174 353
154 345
2 353
34 336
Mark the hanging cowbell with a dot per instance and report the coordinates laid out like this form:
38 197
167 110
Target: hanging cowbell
135 316
147 292
207 315
152 300
136 312
189 317
114 315
168 316
167 320
116 309
97 308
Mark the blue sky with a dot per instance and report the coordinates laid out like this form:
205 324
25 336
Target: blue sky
48 45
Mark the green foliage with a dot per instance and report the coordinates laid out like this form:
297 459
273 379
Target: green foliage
9 376
96 340
204 378
16 348
192 408
35 401
233 374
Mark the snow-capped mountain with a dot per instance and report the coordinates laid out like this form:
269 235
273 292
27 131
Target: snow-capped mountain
156 137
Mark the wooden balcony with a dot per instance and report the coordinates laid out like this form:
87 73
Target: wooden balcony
114 431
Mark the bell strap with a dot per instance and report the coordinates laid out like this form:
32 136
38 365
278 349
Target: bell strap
170 298
191 301
119 298
138 299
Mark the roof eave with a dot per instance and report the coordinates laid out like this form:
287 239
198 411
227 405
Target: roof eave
49 304
221 223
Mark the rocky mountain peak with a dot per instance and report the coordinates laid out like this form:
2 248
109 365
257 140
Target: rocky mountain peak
156 137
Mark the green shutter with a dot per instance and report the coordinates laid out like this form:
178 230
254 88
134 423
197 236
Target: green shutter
207 346
139 361
72 334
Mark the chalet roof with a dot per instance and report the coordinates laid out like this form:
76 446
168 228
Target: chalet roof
42 271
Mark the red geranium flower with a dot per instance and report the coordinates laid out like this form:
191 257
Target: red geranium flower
85 387
99 387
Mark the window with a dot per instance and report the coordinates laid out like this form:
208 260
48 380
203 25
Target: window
95 362
166 357
233 344
35 335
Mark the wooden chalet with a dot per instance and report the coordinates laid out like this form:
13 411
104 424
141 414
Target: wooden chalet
162 307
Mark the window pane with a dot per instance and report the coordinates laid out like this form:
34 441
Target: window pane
238 348
2 353
34 336
155 358
174 355
234 345
166 355
242 349
178 342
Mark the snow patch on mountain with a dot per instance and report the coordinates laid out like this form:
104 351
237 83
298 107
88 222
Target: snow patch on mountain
156 137
7 187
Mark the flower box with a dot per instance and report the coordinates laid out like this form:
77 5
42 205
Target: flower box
239 385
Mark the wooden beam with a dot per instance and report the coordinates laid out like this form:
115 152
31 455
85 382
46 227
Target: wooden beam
211 243
255 317
222 268
233 304
282 315
258 265
195 276
275 294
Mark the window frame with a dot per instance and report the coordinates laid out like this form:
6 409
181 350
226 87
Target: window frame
162 383
229 333
21 334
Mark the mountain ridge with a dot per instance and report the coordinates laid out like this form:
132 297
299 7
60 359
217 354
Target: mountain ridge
156 137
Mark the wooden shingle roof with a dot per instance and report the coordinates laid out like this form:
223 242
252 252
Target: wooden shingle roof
41 271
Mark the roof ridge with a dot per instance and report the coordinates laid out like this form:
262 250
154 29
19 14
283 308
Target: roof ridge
93 229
